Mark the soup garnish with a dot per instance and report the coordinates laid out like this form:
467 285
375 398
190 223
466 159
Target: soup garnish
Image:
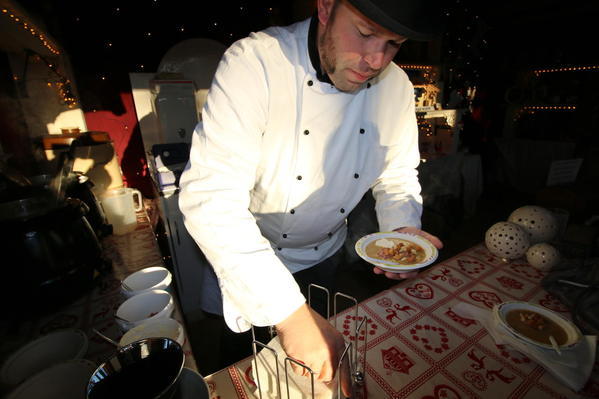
396 250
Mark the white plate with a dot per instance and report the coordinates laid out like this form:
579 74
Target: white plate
430 251
501 310
49 349
61 381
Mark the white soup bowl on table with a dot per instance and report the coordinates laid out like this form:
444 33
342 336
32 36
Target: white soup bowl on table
147 279
149 305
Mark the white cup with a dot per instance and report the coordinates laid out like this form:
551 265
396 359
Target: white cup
119 206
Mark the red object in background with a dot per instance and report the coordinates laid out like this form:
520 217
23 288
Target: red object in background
126 137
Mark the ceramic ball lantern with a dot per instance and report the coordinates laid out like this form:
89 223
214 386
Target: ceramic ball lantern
543 256
537 221
507 240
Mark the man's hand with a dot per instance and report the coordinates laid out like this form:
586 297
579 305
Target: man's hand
411 230
309 338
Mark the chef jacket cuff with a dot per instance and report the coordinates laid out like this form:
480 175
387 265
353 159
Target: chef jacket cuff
280 309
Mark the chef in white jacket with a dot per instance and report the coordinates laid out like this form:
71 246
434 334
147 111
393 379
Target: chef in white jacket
299 123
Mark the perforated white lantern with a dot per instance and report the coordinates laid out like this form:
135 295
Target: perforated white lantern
507 240
543 256
539 222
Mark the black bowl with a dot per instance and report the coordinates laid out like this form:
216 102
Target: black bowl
144 369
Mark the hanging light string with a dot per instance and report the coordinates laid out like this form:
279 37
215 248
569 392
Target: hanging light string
63 84
29 27
532 109
549 108
567 69
415 67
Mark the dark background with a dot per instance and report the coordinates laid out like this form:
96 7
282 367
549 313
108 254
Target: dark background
494 46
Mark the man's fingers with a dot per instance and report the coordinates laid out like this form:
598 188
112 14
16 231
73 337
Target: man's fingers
345 376
297 369
415 230
394 276
326 373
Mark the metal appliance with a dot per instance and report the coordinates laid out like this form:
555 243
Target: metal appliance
168 106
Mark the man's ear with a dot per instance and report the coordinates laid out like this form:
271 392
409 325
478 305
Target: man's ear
325 8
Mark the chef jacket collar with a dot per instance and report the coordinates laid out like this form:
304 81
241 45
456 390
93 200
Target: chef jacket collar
313 50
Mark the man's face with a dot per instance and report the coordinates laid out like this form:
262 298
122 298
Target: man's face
353 49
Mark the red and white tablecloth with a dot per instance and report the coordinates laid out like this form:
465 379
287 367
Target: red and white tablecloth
418 347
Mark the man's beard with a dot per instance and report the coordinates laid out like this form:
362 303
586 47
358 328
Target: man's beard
329 64
327 53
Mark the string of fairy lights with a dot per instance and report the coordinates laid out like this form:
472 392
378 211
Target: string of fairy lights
539 72
533 109
29 27
62 85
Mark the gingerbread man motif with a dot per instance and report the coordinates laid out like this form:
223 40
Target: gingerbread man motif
447 276
491 374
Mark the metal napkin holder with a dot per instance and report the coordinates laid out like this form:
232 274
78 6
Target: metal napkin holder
350 352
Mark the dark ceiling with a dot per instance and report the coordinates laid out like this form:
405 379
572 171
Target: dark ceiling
483 39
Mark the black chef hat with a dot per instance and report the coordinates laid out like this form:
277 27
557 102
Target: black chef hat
414 19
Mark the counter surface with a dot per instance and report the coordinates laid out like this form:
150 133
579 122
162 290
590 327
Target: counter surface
418 347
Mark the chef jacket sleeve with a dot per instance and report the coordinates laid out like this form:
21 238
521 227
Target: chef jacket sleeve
397 190
215 196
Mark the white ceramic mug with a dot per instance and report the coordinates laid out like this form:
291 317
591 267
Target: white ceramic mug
120 206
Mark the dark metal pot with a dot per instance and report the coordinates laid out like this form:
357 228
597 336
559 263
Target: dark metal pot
144 369
53 251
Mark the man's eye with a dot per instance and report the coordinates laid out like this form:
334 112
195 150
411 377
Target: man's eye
364 34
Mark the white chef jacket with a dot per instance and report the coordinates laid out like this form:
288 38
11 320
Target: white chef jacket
280 159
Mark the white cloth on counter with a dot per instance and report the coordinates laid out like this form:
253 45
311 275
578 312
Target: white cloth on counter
278 162
573 367
269 368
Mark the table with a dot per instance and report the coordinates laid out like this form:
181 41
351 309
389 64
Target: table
129 252
418 347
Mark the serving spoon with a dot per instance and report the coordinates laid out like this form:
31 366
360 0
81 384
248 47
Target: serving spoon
555 345
112 341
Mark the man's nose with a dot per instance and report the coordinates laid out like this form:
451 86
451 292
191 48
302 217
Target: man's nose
375 56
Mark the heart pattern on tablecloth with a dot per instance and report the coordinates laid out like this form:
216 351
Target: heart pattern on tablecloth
443 392
489 299
420 291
